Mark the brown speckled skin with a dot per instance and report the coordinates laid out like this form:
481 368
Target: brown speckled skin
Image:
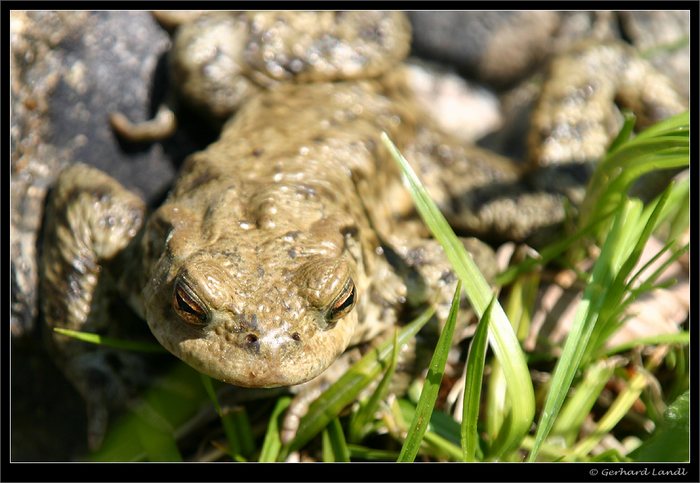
577 112
576 115
267 242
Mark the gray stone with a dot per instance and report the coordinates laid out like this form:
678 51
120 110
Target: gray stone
498 48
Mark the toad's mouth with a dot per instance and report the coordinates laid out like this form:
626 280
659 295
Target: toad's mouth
274 359
258 367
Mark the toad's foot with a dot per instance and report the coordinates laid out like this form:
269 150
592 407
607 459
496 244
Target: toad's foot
90 219
573 123
481 192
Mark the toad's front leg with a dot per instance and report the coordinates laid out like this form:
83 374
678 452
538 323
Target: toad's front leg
90 220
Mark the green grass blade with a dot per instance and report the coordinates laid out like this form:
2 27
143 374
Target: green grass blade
622 295
615 294
680 200
474 378
671 440
272 442
609 456
596 316
365 414
158 444
625 132
166 407
346 389
550 252
521 299
236 425
650 283
440 423
237 421
209 387
637 275
358 452
521 302
429 394
613 415
234 447
442 447
678 124
681 338
475 285
584 322
441 438
502 339
662 146
130 345
496 406
666 47
334 446
585 395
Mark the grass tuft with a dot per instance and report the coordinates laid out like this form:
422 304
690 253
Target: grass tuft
502 339
129 345
429 394
495 423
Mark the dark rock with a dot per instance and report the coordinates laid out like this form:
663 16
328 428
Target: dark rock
498 48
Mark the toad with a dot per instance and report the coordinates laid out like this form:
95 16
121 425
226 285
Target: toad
289 239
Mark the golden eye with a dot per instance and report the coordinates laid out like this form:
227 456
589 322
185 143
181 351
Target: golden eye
343 304
187 306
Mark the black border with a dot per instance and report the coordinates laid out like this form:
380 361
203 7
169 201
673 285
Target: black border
347 471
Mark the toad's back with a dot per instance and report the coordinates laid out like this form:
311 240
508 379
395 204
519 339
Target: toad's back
277 211
297 154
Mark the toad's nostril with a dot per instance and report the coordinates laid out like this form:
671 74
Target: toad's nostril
251 338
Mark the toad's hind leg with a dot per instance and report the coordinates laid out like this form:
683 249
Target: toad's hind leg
480 192
430 277
90 219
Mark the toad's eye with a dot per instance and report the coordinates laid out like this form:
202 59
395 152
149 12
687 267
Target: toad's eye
343 304
187 305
